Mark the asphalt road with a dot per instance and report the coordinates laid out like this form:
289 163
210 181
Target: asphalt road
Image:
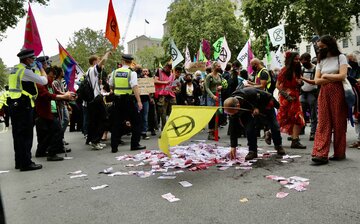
50 196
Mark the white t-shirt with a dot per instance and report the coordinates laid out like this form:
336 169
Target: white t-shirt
309 74
331 65
93 73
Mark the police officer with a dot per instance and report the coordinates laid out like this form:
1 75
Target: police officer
22 93
127 103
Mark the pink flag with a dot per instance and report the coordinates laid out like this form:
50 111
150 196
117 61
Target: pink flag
32 36
250 57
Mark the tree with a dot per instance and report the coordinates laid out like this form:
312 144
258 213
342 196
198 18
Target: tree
148 56
302 19
87 42
3 75
11 11
189 21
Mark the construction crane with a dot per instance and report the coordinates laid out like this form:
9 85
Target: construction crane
128 23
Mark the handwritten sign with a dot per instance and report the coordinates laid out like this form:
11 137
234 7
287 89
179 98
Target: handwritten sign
195 66
146 86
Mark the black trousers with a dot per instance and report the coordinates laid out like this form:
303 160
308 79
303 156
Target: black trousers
76 118
125 109
22 121
96 119
49 136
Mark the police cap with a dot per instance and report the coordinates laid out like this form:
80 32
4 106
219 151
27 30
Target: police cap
26 53
42 59
127 57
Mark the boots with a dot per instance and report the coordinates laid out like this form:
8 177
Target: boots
251 155
295 144
280 150
211 135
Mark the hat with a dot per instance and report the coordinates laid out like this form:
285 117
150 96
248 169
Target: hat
42 59
127 57
26 53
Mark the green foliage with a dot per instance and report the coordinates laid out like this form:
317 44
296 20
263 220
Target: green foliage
11 11
189 21
149 56
3 75
87 42
302 18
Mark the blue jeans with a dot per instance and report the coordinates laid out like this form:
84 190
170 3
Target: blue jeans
144 117
310 99
65 119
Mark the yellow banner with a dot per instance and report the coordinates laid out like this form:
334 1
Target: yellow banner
183 123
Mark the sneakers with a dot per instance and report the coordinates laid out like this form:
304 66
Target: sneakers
295 144
145 137
251 156
268 137
102 145
96 146
280 150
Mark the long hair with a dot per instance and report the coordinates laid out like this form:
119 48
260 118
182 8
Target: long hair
331 44
290 66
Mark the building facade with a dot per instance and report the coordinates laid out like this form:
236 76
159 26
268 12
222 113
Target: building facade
141 42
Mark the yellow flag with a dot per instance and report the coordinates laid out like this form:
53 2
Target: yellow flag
183 123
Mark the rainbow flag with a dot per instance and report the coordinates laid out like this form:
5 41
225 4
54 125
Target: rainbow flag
68 64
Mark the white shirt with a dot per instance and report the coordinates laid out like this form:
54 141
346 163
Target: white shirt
93 73
30 76
309 74
331 65
133 78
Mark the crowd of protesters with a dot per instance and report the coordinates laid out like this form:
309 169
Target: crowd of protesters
37 92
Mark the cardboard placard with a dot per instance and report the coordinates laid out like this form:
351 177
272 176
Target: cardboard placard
146 86
196 66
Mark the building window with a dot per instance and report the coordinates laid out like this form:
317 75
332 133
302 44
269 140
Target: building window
357 40
308 48
345 43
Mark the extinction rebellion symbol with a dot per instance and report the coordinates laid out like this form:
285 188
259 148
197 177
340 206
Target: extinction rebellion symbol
223 55
113 26
180 126
174 54
278 35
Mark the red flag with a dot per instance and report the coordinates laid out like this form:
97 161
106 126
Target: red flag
32 36
112 30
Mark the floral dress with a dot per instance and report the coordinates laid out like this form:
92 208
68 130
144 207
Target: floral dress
290 112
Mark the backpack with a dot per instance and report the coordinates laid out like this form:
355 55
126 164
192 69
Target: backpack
86 91
272 81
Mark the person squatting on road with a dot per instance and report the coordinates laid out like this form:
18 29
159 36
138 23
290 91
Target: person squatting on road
244 106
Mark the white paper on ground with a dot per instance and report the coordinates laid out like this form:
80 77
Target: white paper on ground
185 183
119 174
166 177
282 195
100 187
170 197
75 172
78 176
68 158
4 171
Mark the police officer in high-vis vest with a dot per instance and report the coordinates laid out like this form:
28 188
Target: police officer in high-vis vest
127 104
22 94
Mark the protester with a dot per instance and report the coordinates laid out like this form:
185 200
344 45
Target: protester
96 108
354 72
48 127
152 115
62 105
22 91
331 70
164 92
124 84
244 106
190 91
145 100
213 88
309 92
290 115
